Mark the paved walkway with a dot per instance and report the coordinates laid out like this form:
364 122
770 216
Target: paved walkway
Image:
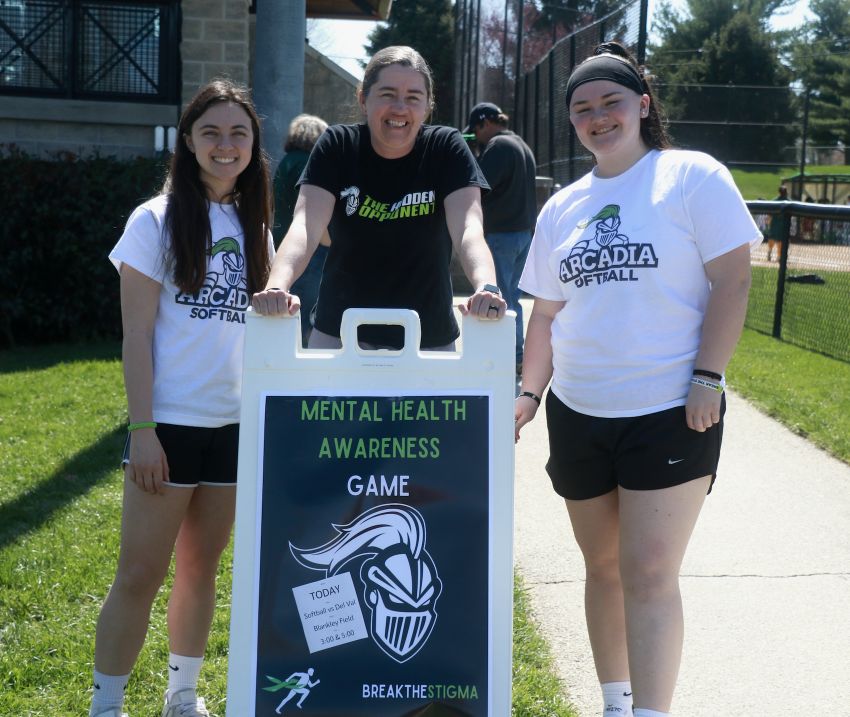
765 583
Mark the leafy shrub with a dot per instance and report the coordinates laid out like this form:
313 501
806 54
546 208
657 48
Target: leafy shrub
60 218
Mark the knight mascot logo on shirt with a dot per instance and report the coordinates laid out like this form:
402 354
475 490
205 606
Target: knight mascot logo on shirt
351 195
224 294
608 255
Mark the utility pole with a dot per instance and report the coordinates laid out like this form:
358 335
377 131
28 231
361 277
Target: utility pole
518 69
279 69
799 197
505 58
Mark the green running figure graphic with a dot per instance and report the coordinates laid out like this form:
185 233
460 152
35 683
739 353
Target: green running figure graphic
298 683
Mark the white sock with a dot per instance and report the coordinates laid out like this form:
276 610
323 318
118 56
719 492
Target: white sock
183 672
641 712
108 692
617 697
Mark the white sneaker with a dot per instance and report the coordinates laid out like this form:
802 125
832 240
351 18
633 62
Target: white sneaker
185 703
112 712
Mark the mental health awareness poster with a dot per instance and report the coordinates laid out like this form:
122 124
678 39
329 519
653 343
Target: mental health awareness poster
373 551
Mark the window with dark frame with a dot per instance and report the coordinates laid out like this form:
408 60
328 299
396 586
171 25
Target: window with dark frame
91 49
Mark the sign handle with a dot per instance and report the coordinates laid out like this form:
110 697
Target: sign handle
409 320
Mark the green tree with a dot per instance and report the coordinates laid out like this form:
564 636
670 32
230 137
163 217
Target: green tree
551 20
822 63
557 14
561 17
428 27
699 61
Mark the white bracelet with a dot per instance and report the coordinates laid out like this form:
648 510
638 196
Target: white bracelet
718 386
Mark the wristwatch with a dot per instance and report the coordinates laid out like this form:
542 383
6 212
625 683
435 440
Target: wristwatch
492 288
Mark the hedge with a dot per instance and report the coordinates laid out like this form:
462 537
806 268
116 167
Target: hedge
60 218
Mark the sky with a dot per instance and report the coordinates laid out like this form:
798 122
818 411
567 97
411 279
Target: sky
342 40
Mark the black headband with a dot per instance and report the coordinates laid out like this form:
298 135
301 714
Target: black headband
605 67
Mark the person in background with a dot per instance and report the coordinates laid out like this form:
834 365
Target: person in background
188 261
777 230
304 130
510 207
397 196
807 224
640 272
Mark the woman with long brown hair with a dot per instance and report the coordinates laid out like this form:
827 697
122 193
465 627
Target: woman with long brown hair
188 261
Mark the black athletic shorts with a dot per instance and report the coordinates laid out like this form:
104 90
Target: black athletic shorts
591 456
197 456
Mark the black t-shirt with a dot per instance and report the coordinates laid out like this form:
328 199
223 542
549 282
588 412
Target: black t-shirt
509 166
390 245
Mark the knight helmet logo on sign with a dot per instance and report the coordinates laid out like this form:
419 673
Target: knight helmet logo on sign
400 580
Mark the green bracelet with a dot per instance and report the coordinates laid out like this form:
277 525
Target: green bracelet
141 424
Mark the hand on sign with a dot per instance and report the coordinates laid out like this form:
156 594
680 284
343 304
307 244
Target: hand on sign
485 305
275 302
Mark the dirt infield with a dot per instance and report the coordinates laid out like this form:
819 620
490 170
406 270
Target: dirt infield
823 257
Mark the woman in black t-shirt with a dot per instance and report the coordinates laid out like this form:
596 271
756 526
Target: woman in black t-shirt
396 195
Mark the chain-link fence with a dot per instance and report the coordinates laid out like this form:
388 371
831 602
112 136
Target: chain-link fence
752 126
801 273
542 119
487 57
801 276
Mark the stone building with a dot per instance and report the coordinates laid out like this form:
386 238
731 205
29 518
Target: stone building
104 81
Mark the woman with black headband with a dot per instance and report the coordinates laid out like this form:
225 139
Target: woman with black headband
640 272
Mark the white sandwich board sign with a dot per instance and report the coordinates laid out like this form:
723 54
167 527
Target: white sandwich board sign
373 547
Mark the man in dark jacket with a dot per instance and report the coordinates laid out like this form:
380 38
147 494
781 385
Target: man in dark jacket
510 208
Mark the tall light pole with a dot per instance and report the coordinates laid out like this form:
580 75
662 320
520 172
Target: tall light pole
505 57
279 69
518 71
799 198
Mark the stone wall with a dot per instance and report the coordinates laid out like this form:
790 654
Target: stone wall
215 42
45 127
329 90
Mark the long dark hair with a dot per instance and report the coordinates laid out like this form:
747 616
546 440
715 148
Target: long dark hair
187 215
653 127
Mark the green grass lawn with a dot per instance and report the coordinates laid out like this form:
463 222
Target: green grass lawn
62 418
806 391
757 184
814 316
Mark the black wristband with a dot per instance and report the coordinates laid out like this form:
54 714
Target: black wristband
708 374
532 396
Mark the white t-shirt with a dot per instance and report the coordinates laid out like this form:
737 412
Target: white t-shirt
198 338
627 253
